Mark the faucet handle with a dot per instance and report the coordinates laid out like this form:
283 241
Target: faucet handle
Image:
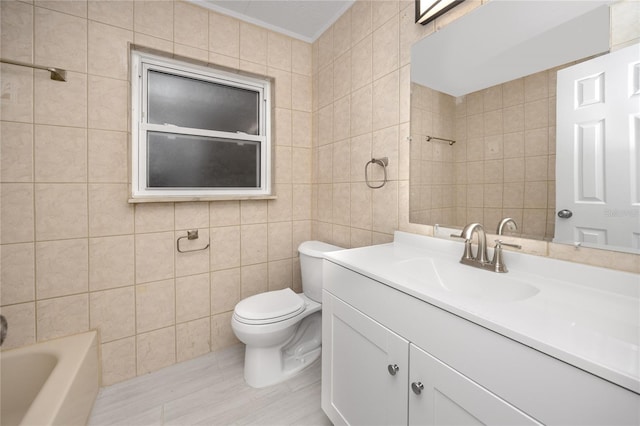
498 262
502 243
468 254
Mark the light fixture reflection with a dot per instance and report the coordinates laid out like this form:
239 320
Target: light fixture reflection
428 10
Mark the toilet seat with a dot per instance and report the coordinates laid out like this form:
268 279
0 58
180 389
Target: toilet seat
269 307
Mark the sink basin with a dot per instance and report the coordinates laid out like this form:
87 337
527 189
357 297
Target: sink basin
464 281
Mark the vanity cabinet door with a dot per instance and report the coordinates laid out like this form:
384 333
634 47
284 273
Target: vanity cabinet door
442 396
365 368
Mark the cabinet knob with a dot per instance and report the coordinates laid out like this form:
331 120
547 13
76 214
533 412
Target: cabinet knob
417 387
393 369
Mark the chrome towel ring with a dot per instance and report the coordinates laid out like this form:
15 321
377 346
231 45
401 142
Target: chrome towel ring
384 162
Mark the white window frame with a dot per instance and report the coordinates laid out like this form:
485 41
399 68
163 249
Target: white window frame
141 62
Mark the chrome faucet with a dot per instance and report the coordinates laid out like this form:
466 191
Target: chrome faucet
481 259
481 254
504 222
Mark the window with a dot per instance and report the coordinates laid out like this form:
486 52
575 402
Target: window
198 132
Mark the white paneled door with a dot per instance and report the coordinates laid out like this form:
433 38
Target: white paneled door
598 151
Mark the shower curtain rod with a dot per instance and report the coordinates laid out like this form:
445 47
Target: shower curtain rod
57 74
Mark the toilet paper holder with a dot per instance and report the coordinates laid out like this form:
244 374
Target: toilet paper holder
192 234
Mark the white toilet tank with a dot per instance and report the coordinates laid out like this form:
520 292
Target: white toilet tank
311 254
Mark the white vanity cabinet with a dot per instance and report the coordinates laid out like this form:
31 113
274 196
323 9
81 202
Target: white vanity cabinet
442 396
469 373
369 368
375 374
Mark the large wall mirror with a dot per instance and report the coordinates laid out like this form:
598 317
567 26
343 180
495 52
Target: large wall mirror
483 121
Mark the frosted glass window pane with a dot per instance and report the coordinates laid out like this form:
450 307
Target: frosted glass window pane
196 161
198 104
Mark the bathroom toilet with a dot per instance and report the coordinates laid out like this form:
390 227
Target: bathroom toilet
282 330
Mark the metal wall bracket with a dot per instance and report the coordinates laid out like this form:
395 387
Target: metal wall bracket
192 234
451 141
57 74
384 162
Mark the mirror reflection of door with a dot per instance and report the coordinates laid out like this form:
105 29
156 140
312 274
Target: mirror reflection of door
598 151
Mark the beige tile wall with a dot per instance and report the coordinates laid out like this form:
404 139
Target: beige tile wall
361 109
75 254
360 112
503 161
433 181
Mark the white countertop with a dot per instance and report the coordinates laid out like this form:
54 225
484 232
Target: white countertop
586 316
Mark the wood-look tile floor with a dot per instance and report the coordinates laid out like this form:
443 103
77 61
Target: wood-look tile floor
210 390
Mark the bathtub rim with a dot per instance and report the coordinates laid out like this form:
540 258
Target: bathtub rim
71 353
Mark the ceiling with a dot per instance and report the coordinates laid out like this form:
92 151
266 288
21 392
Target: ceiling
505 40
302 19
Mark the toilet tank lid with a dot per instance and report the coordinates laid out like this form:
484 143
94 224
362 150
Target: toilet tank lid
317 248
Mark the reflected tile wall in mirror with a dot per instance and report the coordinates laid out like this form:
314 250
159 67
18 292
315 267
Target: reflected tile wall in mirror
503 161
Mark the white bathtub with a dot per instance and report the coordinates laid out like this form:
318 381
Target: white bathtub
49 383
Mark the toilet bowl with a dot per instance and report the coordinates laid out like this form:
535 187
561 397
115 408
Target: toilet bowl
282 330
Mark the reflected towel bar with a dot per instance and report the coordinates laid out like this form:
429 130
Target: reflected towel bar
451 142
57 74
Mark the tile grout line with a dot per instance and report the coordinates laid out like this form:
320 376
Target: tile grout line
86 20
33 175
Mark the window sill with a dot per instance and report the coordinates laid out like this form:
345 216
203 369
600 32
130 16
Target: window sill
139 200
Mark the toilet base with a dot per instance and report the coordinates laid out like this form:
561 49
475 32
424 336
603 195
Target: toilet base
266 366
